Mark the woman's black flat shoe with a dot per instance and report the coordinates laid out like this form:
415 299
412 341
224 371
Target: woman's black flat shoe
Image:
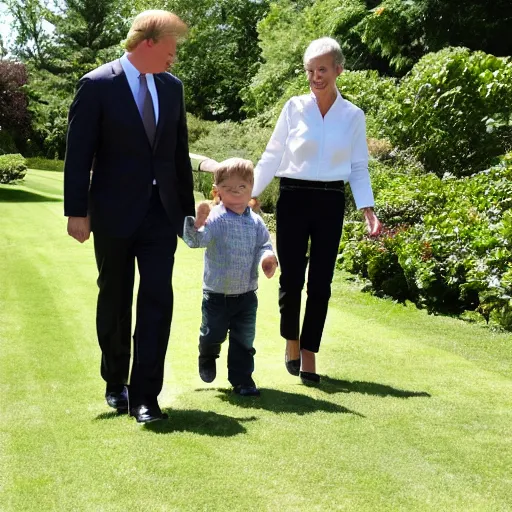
309 378
292 365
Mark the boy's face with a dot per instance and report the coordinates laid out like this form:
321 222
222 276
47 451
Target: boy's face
235 193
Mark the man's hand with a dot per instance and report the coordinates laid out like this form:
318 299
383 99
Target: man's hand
79 228
203 210
255 205
207 165
269 265
372 222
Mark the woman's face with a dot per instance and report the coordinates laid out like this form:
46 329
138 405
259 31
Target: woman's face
322 73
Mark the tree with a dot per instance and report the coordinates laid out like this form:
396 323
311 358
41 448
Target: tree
402 32
14 116
59 45
220 55
286 31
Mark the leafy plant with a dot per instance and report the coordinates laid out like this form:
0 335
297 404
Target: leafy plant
12 168
454 111
448 246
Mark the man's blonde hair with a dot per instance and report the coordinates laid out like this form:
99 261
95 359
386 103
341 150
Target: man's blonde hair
154 24
234 167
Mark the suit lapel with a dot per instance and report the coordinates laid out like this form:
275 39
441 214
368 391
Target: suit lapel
164 103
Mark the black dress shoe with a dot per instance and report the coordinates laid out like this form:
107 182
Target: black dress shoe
147 413
292 365
309 378
207 369
244 390
117 399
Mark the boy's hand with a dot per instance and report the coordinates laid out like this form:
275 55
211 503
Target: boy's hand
203 210
269 265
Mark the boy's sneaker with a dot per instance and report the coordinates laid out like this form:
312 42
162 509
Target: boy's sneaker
207 369
243 390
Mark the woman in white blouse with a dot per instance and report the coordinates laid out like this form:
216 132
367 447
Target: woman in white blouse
318 144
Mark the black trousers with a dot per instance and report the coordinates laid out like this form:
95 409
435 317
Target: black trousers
153 246
310 214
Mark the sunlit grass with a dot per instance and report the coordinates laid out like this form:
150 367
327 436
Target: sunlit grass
415 413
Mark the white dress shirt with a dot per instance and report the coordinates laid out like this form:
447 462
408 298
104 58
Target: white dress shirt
132 75
307 146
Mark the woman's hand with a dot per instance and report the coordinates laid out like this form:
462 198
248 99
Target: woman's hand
255 205
372 222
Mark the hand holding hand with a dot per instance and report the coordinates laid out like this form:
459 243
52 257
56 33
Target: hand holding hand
203 210
255 205
269 265
79 228
372 222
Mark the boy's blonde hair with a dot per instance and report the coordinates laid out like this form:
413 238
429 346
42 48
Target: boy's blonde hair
231 167
154 24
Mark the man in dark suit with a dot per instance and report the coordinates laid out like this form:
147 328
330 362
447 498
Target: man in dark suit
127 124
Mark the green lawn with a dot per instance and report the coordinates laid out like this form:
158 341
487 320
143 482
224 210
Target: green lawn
416 413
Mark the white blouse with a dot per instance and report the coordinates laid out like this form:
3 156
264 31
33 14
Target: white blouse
306 146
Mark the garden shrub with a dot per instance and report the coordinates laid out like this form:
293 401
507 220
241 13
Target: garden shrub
12 168
454 110
448 242
197 128
45 164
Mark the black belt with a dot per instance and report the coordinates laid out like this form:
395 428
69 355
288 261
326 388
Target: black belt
228 295
292 183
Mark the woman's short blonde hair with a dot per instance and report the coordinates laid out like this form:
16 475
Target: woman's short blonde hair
324 46
154 24
232 167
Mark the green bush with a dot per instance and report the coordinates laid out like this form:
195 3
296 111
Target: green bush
225 140
197 128
12 168
454 110
448 246
45 164
203 182
7 144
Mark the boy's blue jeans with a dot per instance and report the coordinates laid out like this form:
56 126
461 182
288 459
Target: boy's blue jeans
236 314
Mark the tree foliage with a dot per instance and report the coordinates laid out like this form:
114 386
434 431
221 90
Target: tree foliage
220 55
403 31
59 43
453 110
286 31
14 116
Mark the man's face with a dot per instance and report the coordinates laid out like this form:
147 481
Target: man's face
161 54
235 193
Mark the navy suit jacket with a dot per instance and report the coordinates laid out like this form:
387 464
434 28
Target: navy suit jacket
106 135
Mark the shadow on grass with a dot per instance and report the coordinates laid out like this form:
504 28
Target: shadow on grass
109 415
15 195
280 402
205 423
331 386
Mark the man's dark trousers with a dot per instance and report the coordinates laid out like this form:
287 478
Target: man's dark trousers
152 245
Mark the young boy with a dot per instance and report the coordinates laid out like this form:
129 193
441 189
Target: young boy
237 242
